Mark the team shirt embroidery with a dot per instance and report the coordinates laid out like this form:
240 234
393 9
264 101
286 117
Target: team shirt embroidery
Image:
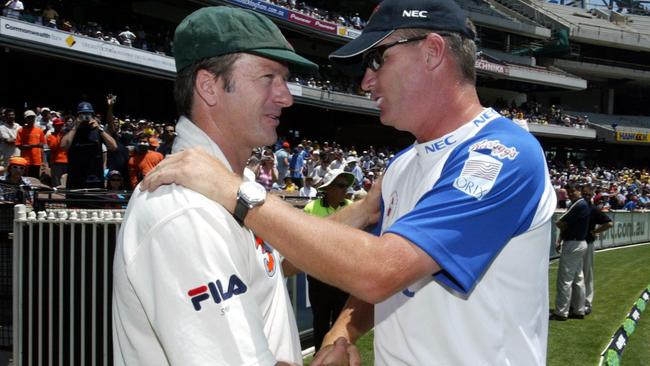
478 176
496 148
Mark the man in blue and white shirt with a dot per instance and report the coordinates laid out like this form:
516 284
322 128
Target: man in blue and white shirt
457 271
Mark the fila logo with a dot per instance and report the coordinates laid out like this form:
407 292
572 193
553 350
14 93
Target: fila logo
199 294
415 13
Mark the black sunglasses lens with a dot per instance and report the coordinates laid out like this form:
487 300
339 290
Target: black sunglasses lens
373 59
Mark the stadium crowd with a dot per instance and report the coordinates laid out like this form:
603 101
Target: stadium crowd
534 112
154 40
292 168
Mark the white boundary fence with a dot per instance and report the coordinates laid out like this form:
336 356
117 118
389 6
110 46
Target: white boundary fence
629 228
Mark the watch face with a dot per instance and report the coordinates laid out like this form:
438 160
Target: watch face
254 193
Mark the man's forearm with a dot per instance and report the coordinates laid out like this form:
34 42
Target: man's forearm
322 258
603 227
355 320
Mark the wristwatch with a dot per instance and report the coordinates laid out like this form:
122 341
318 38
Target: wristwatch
250 194
100 129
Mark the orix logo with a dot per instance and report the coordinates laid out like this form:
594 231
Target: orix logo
414 13
215 290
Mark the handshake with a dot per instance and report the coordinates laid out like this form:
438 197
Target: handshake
341 353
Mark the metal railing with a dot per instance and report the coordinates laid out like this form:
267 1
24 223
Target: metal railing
62 279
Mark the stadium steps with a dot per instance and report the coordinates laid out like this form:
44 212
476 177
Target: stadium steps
535 13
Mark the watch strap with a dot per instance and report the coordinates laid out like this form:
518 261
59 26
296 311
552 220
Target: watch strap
241 210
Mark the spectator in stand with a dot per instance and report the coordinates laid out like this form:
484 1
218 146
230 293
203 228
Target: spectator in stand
308 190
337 163
356 21
296 165
644 199
321 169
44 120
631 203
311 162
168 136
8 132
13 9
282 156
14 187
119 158
289 186
115 181
353 167
49 15
143 161
266 174
58 156
30 140
327 301
84 143
127 37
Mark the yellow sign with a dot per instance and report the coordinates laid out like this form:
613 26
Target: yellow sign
70 41
632 137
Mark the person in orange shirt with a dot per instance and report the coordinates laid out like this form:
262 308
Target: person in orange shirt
30 140
143 161
58 156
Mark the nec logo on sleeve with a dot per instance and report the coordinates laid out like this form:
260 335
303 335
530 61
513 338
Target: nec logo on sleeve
414 14
216 291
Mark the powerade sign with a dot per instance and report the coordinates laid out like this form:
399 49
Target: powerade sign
261 6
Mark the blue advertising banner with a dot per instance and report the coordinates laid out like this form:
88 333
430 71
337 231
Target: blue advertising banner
264 7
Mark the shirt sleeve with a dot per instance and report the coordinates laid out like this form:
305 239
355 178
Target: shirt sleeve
601 218
309 207
19 137
573 214
477 205
192 278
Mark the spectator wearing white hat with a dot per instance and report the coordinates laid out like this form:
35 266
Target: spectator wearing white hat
30 140
13 9
353 167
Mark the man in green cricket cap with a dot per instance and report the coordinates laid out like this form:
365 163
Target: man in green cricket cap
192 285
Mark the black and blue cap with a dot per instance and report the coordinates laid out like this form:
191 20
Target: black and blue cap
389 15
85 107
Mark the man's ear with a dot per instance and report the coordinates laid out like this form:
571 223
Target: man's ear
435 48
207 87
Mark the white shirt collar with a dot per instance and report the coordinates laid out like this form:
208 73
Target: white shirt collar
189 136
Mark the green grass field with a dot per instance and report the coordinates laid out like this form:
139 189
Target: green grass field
620 275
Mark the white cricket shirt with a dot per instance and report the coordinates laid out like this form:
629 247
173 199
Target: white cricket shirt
193 287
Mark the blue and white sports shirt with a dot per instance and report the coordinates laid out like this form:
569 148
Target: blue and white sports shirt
479 201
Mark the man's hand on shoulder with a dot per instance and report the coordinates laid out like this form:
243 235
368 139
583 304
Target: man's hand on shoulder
199 171
340 353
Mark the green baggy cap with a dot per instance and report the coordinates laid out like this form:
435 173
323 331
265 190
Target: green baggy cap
220 30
